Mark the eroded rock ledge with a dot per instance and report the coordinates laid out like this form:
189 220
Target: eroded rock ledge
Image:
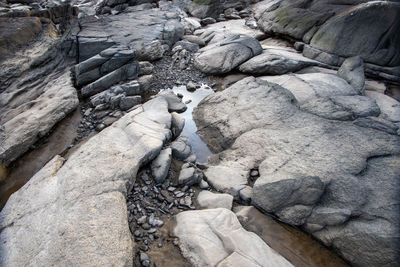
73 212
333 178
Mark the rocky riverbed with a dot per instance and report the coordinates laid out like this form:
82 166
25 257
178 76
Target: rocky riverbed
199 133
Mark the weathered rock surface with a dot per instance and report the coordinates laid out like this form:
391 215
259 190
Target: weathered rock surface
337 28
143 30
74 211
181 148
24 123
223 57
276 60
352 70
390 108
311 85
314 172
219 240
217 32
160 166
209 200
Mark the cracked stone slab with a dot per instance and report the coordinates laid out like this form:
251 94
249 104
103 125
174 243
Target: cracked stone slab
219 240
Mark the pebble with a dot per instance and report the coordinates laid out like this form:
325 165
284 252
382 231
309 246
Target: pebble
138 233
254 173
171 189
191 86
146 226
141 220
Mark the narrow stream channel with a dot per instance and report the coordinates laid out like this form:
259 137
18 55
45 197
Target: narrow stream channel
199 148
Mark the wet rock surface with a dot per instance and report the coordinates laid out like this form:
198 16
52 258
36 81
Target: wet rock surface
316 145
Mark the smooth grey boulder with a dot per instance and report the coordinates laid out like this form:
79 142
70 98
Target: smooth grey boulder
209 200
306 87
175 104
352 70
189 175
178 123
390 107
25 123
313 170
74 210
219 240
181 148
226 179
362 31
342 107
276 60
217 32
223 57
160 165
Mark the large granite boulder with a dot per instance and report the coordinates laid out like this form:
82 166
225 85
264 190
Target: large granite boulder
222 57
214 237
337 28
368 30
74 210
317 173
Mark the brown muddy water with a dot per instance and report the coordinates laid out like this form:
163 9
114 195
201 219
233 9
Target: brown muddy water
296 246
26 166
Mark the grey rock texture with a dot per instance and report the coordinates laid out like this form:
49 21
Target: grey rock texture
352 70
189 175
181 148
160 165
361 31
105 62
22 124
276 60
306 87
339 28
390 108
219 240
142 30
73 211
209 200
223 57
314 172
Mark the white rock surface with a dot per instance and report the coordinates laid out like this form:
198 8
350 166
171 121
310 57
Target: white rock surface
210 200
160 165
218 239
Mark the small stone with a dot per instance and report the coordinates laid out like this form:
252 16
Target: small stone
203 184
100 127
160 245
191 86
188 101
171 189
179 95
141 220
152 231
138 233
254 173
144 247
146 226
